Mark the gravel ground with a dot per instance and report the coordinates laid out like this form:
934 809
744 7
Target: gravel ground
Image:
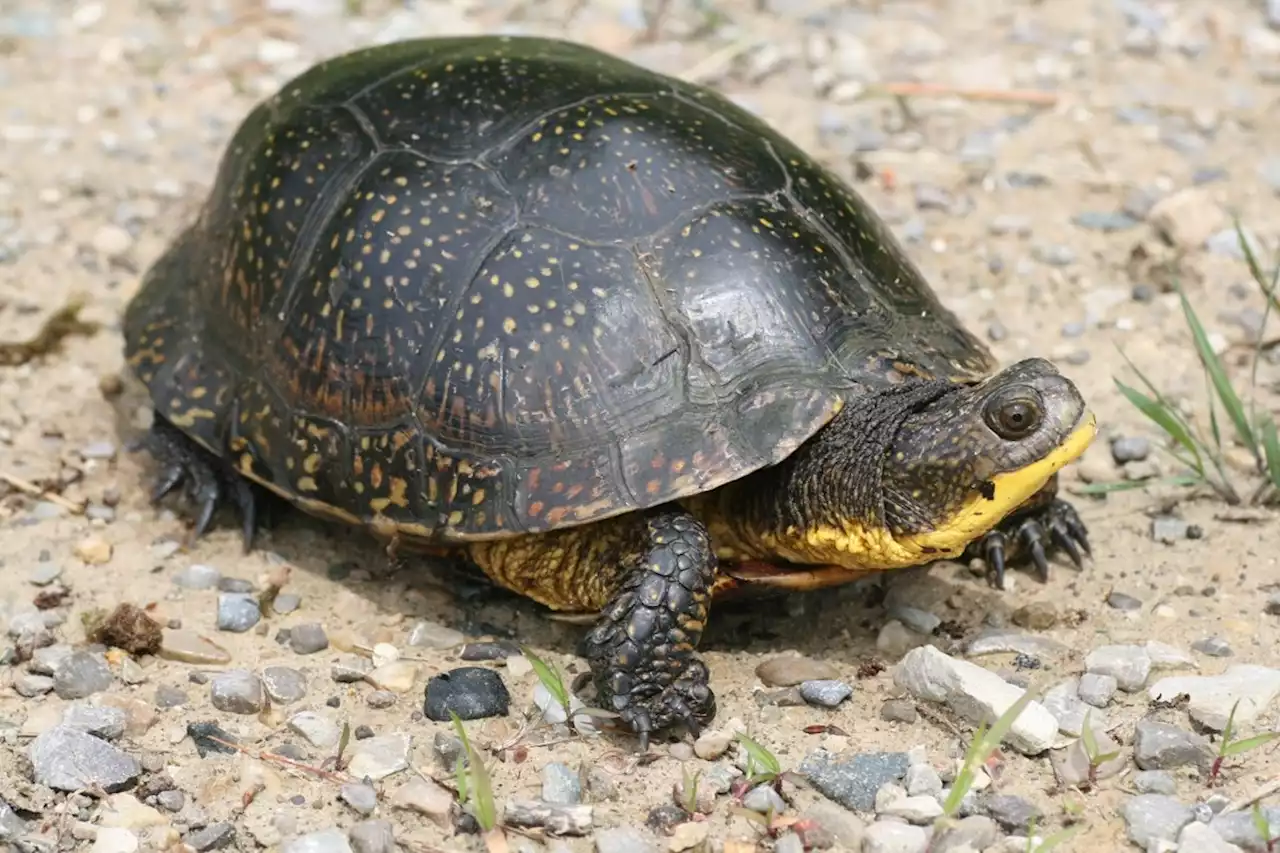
1054 219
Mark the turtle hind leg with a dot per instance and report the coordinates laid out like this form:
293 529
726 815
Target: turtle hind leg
641 651
207 481
1034 534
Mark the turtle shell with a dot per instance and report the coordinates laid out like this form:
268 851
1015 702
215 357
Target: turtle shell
474 287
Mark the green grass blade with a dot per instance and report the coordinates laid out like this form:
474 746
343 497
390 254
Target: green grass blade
550 679
1271 450
1218 376
1160 415
1245 744
1090 742
1057 838
762 757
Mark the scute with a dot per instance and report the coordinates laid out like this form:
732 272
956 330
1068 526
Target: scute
473 287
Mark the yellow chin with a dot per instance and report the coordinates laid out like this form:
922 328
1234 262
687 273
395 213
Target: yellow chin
1011 490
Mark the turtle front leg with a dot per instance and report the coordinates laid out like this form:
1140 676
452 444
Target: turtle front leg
1042 526
207 480
642 650
650 577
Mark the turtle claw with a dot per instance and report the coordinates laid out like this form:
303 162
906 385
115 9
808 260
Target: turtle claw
1035 536
687 702
206 480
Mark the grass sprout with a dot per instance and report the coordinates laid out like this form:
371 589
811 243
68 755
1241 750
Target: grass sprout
551 680
475 789
1092 752
1228 746
762 765
1203 454
1263 826
1044 845
985 742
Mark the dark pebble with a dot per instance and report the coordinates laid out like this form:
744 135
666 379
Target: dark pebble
1142 293
362 732
170 697
1013 813
664 818
471 692
853 782
1120 601
380 699
1023 660
1272 607
215 836
488 651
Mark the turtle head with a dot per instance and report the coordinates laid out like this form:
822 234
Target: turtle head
959 465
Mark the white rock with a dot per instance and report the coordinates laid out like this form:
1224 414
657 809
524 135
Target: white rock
1212 696
977 694
894 837
1128 665
318 731
1198 837
380 756
114 839
919 810
1165 656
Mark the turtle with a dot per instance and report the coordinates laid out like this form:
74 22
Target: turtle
602 333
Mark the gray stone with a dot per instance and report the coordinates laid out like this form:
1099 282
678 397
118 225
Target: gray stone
894 837
1097 689
1123 601
170 697
197 577
237 691
1238 828
1155 782
286 602
788 842
1003 641
826 693
899 711
330 840
430 635
81 674
1133 448
11 826
846 827
1014 814
215 836
1272 607
560 784
1104 220
1154 817
172 800
625 839
308 638
1128 665
922 779
350 669
1157 746
1169 530
1064 703
30 686
106 721
372 836
44 574
46 660
285 685
765 800
976 832
237 612
67 759
1213 647
362 798
852 782
920 621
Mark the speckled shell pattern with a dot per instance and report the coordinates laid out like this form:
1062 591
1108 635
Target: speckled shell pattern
469 288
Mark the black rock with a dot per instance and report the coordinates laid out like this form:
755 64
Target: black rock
471 692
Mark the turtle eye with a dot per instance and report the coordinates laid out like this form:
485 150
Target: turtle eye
1015 414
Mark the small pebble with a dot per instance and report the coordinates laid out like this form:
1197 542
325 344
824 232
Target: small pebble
1014 814
288 602
362 798
197 576
825 693
380 699
308 638
215 836
284 684
1213 647
1154 817
791 670
171 800
237 691
560 784
765 800
1097 689
899 711
1121 601
81 674
430 635
379 756
372 836
1155 782
237 612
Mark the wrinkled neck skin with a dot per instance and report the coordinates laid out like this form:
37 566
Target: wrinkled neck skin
826 503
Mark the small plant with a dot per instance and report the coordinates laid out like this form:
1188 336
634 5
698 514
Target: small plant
985 742
1228 747
762 765
1091 751
1263 826
1044 845
689 783
475 789
1256 431
551 681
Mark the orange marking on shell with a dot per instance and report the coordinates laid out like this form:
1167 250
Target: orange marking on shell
535 509
375 476
556 515
653 486
535 474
